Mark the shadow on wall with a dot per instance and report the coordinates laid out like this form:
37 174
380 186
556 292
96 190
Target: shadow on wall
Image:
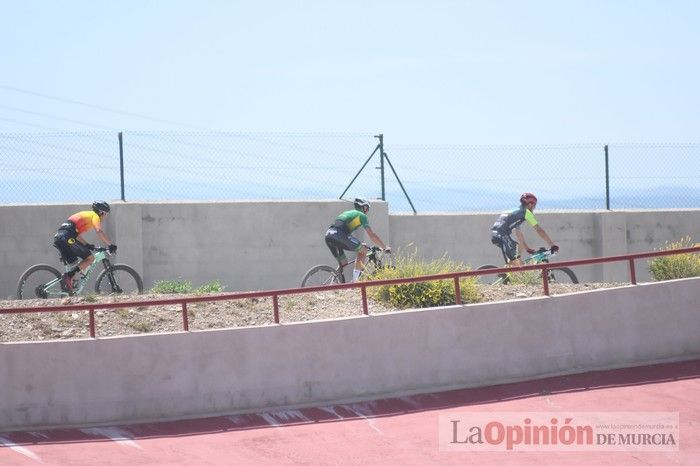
596 380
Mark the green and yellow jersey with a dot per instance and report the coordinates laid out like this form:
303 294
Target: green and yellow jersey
351 220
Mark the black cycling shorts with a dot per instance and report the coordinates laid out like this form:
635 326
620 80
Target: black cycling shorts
339 241
70 248
507 245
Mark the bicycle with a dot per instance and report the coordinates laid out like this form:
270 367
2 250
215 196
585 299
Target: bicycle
327 275
556 274
45 280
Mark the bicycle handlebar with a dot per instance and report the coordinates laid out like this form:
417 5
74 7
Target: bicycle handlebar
376 249
543 252
102 249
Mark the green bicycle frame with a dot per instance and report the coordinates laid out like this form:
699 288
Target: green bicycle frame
99 256
536 258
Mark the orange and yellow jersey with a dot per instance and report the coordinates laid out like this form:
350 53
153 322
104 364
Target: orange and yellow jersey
85 221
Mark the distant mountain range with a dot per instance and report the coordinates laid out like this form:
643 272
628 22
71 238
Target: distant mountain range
425 198
461 200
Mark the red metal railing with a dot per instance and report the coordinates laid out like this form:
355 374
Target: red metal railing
275 294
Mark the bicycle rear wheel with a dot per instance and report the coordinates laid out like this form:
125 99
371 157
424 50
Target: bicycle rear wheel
40 281
562 275
322 275
489 279
119 279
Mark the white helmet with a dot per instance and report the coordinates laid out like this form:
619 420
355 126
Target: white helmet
360 203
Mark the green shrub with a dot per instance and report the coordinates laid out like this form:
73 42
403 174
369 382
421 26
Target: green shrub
677 265
213 286
172 287
422 294
529 277
185 287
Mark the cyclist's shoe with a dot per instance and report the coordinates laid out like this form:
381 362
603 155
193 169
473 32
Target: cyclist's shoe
67 283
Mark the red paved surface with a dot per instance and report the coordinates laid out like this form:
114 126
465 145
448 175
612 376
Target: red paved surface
391 431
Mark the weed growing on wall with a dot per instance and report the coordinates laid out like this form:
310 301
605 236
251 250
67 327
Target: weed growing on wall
422 294
678 265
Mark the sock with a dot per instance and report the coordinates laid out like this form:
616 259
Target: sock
355 275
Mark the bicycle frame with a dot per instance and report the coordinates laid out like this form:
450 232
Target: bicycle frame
372 257
326 274
542 255
100 256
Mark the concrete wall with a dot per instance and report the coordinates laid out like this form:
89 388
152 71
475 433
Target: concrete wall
237 370
267 245
466 237
245 245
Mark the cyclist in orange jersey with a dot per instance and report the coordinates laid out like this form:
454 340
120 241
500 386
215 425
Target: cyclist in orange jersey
71 244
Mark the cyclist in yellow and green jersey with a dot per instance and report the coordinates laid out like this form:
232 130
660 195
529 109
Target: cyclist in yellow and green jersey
509 221
71 244
339 236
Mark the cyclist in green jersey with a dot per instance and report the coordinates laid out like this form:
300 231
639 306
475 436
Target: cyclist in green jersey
509 221
339 236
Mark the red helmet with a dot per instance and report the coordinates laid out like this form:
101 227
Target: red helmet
528 198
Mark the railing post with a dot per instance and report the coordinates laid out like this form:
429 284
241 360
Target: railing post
185 319
91 313
365 308
458 292
276 309
633 273
545 280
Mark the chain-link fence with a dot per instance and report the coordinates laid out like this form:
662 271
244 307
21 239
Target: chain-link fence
571 176
80 167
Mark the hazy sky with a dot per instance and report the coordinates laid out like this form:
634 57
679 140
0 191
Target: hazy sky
460 72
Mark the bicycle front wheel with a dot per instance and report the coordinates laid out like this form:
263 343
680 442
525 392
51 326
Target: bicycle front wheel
39 281
322 275
502 278
119 279
562 275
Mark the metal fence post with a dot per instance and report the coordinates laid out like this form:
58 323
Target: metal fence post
607 180
121 162
381 162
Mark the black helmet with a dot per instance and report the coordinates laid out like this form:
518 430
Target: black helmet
100 207
360 203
